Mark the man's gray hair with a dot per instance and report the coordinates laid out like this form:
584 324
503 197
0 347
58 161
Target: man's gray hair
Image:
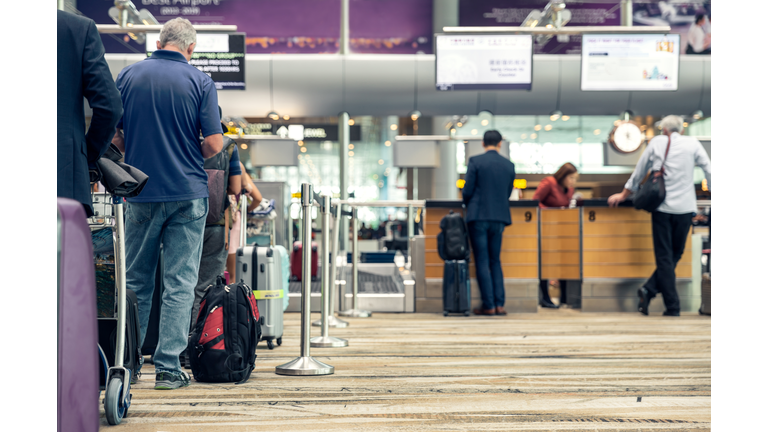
179 33
672 123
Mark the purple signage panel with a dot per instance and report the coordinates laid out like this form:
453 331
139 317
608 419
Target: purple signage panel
480 13
290 26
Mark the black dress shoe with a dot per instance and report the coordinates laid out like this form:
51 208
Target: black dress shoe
549 305
642 307
668 313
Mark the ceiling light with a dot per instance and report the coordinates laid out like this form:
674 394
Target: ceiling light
273 115
524 136
301 143
597 131
565 118
244 146
537 128
351 153
474 131
387 143
555 115
381 161
484 122
533 136
579 140
351 122
393 127
459 124
548 127
415 114
286 117
303 149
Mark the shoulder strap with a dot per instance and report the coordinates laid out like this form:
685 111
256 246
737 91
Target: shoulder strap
669 142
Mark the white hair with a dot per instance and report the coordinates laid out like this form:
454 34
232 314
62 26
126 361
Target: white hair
179 33
672 123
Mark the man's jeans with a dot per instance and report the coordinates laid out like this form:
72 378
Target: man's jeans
486 244
179 227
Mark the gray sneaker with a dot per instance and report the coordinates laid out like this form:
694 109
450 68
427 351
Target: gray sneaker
170 381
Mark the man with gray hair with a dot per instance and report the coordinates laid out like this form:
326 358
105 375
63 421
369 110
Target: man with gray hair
672 220
168 104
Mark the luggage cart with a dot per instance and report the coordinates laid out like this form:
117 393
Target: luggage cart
117 388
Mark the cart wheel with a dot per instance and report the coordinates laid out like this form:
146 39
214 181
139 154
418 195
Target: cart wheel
466 313
279 341
445 313
270 345
113 406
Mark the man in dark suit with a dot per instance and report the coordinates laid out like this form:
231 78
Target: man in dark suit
489 182
81 71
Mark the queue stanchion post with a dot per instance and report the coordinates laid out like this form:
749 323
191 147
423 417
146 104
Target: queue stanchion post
305 364
355 312
326 341
333 321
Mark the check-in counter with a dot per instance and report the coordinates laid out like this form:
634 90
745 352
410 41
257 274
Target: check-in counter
561 249
617 254
519 258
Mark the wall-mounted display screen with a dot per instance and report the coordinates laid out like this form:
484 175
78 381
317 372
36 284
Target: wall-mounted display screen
219 55
626 62
483 62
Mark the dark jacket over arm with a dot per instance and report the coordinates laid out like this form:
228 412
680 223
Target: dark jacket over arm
82 72
488 185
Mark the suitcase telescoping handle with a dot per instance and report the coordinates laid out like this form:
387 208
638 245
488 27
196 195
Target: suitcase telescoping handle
243 217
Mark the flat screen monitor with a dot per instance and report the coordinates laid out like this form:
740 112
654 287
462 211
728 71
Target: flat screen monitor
627 62
483 62
221 56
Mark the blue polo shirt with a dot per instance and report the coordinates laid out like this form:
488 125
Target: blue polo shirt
167 103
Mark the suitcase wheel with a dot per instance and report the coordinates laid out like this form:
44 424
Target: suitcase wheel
466 313
270 345
445 313
279 341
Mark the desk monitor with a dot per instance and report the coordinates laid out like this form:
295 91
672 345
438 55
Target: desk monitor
221 56
627 62
483 62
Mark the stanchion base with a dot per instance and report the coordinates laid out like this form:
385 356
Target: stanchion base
332 322
304 366
354 313
328 342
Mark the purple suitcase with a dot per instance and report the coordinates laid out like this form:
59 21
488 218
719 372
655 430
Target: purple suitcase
78 360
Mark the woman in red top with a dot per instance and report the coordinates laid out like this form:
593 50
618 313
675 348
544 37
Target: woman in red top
556 192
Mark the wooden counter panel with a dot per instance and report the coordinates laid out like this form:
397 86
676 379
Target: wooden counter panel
617 242
520 215
621 228
559 215
640 256
520 228
511 271
555 258
552 244
630 271
435 214
560 272
516 243
507 257
622 242
565 229
605 214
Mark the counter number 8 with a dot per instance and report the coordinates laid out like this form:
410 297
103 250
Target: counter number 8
592 216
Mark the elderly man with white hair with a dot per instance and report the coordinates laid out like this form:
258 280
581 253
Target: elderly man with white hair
168 104
672 219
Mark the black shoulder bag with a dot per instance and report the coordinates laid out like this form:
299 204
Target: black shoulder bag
652 191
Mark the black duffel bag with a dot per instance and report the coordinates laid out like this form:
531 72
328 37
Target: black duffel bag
652 191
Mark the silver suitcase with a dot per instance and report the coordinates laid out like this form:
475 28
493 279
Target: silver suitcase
260 268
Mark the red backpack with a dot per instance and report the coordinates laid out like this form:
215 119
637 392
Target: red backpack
222 347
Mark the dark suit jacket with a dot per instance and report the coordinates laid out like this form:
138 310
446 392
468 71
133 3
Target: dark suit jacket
489 182
81 72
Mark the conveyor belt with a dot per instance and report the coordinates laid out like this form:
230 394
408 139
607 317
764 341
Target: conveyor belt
294 287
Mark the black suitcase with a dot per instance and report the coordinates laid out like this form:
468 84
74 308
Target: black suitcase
108 338
456 291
